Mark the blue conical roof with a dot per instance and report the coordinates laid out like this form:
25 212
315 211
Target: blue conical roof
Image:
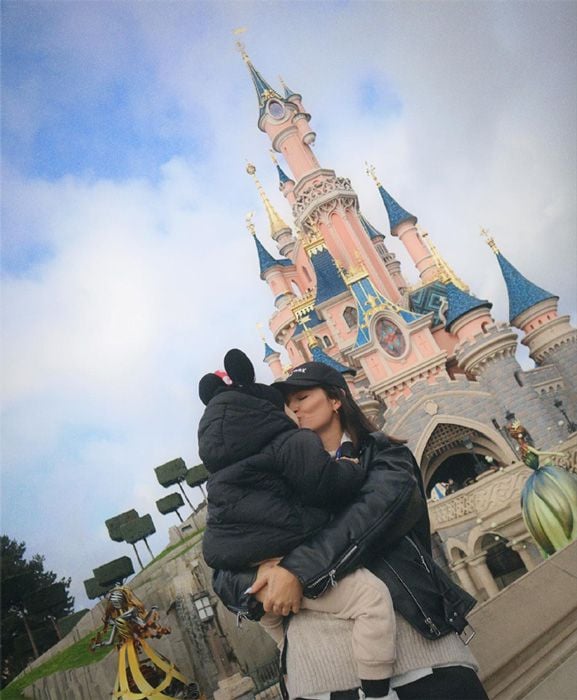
289 93
263 90
370 229
395 211
460 303
268 351
266 260
282 176
522 293
329 281
319 355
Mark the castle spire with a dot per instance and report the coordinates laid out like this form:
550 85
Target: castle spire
397 215
446 273
372 232
264 91
522 293
403 227
280 232
288 93
276 223
282 176
265 259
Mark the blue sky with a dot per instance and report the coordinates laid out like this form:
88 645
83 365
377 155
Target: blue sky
127 270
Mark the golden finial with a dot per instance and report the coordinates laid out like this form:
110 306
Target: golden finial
490 240
276 222
282 82
239 45
259 327
249 223
273 157
372 173
445 272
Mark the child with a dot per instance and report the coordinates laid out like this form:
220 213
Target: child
272 485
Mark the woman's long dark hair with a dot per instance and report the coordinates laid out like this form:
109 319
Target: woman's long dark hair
353 420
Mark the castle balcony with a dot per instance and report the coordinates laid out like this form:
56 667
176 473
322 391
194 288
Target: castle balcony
481 530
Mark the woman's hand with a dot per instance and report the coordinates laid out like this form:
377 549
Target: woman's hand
277 589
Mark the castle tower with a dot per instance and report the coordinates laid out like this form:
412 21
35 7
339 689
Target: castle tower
550 337
323 202
404 226
390 259
272 359
272 271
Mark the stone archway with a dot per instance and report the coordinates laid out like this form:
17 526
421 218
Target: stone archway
469 441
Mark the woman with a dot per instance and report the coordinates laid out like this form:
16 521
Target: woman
432 661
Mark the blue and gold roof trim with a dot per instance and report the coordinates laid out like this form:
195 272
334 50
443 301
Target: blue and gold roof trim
264 91
429 299
329 280
522 293
370 302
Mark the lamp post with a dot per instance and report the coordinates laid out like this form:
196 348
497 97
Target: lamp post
571 427
217 643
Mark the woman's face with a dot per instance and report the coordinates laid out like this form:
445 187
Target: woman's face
314 409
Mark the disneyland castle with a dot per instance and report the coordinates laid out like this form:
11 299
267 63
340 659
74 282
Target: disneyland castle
432 364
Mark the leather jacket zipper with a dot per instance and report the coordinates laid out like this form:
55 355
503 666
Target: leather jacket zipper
422 558
428 621
330 576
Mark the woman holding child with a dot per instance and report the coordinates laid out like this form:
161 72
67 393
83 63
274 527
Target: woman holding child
381 534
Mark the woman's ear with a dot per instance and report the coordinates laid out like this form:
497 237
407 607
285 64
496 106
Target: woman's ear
238 367
336 404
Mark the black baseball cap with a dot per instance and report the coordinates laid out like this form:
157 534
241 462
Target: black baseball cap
311 374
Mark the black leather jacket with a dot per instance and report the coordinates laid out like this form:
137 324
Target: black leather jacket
386 529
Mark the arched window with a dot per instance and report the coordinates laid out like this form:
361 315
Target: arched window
327 341
351 317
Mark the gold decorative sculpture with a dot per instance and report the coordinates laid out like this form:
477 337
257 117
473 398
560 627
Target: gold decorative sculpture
143 673
549 496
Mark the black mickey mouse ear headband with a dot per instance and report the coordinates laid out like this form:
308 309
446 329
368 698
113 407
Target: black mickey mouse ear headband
239 369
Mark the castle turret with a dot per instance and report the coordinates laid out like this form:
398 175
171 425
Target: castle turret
390 259
550 338
286 126
271 271
403 225
272 359
466 315
285 184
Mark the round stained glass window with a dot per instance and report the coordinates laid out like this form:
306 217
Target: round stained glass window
390 337
276 109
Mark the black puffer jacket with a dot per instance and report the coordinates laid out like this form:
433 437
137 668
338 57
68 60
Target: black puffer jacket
386 528
271 484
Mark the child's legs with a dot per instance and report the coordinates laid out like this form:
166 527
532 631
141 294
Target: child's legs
364 598
273 624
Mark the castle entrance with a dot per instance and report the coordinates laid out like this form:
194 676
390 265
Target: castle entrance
457 456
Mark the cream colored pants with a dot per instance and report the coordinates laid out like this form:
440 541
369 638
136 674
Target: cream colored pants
365 599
